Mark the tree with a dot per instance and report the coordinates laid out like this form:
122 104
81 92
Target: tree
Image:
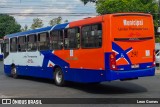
8 25
55 21
37 23
157 39
114 6
25 28
86 1
65 21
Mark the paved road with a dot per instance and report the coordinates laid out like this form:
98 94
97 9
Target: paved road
24 87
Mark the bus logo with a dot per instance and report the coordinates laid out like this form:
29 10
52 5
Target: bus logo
121 53
6 101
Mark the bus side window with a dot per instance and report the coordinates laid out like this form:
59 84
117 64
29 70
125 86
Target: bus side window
22 44
92 36
6 48
32 42
97 29
1 48
43 41
56 40
86 34
13 44
72 38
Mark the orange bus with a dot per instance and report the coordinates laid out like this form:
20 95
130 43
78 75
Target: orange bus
110 47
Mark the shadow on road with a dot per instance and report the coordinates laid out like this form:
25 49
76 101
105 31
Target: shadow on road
115 87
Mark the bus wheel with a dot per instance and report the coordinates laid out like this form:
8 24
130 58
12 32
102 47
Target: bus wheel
14 72
59 77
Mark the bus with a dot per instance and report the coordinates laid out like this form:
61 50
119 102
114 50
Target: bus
117 46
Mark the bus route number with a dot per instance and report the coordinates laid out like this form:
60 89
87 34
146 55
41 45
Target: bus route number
134 54
30 61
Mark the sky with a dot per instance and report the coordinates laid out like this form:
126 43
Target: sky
25 10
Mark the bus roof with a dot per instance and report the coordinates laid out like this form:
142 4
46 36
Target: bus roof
45 29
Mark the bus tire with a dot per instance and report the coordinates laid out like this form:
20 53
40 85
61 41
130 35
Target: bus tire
59 77
14 72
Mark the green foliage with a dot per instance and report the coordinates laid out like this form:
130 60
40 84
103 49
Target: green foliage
55 21
86 1
8 25
117 6
65 21
157 39
37 23
25 28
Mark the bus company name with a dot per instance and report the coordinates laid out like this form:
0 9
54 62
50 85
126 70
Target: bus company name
133 22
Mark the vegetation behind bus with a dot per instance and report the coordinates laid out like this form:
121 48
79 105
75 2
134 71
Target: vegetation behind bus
115 6
8 25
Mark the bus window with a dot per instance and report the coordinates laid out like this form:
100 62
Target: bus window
1 48
43 39
22 44
56 40
71 39
13 44
6 48
92 36
32 42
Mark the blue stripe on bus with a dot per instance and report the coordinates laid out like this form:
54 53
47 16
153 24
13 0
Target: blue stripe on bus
1 56
82 75
141 66
60 26
121 53
31 71
48 55
45 29
115 75
87 76
77 74
143 70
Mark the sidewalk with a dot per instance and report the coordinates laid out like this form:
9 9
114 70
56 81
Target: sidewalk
157 71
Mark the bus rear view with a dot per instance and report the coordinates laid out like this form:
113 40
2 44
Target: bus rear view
132 52
104 48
